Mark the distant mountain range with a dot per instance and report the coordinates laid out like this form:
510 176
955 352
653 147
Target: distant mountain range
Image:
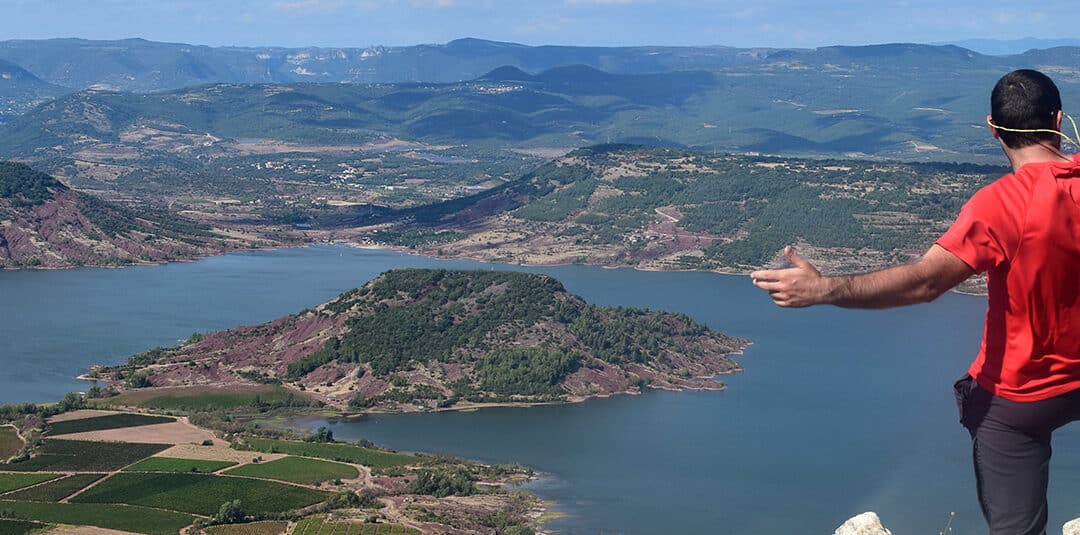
141 65
1008 47
912 102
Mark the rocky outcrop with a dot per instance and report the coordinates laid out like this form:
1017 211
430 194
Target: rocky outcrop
1071 527
865 524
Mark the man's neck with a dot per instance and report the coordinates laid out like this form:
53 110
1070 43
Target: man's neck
1034 154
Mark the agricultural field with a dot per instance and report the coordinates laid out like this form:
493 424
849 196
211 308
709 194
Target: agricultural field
199 398
99 423
169 464
298 470
54 491
84 456
200 494
334 451
317 525
10 443
120 517
10 482
18 527
270 527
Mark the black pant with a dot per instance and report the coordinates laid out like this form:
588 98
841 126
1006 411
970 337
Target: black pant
1011 452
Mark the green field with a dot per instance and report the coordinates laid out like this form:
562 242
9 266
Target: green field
54 491
200 494
253 528
98 423
85 456
10 443
121 517
317 525
169 464
208 398
298 470
334 452
18 527
9 482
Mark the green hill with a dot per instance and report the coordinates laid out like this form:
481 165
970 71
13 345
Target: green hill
435 337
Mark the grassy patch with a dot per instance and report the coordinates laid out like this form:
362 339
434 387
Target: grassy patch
99 423
208 398
10 443
54 491
316 525
298 470
169 464
85 456
121 517
200 494
253 528
334 451
18 527
9 482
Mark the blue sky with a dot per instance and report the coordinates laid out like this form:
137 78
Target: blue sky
359 23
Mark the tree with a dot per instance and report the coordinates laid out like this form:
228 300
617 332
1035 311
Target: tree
230 513
322 434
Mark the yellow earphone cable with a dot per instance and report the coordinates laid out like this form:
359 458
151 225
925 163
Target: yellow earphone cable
1074 141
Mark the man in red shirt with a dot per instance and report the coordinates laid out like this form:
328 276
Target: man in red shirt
1022 231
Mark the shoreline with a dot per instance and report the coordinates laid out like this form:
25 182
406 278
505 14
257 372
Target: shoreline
412 252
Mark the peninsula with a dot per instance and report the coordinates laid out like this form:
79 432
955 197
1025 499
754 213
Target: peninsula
420 339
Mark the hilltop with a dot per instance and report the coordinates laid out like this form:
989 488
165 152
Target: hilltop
416 338
20 90
43 223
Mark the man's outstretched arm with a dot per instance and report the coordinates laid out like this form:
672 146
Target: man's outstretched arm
937 272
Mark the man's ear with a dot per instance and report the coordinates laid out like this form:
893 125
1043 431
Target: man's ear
1057 120
994 131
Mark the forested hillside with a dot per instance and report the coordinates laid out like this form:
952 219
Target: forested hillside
43 223
674 209
424 338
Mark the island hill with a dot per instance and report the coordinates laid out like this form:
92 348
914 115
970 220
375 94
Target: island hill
414 339
43 223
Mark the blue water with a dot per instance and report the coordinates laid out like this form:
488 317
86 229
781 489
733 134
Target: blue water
838 411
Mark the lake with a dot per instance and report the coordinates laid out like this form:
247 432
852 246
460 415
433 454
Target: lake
838 411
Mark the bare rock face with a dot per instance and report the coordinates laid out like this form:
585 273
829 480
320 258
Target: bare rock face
1071 527
864 524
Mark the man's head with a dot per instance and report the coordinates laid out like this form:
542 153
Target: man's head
1026 100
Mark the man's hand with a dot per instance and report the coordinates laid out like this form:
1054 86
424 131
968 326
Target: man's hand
934 274
799 286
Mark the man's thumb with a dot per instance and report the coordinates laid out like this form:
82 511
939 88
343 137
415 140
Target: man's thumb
796 258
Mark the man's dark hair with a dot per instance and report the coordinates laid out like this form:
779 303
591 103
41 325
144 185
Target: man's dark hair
1025 99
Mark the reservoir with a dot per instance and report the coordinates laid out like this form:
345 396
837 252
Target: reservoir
837 411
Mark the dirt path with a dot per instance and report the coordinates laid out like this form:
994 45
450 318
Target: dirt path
669 217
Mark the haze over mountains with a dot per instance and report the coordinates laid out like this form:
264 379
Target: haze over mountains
899 101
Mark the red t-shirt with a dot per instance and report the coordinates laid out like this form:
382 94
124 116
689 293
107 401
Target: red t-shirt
1023 230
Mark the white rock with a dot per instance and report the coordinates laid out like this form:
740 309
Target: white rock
864 524
1071 527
